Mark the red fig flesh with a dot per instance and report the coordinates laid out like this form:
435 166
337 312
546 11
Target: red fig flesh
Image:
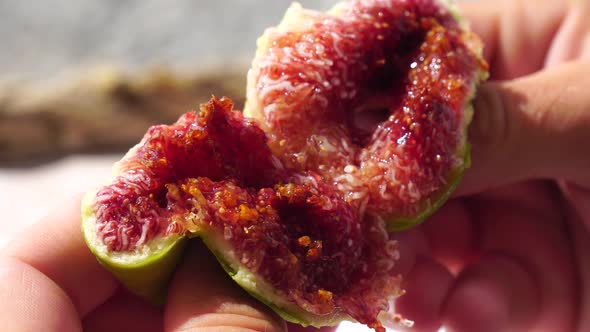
359 127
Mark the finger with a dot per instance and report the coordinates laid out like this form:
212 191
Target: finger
203 298
33 302
426 286
523 225
430 254
450 233
412 244
572 41
534 127
495 294
517 34
124 312
55 247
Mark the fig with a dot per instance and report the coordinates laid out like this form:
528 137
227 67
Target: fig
286 237
137 224
411 67
355 126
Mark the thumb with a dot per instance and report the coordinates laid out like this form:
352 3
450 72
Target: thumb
203 298
533 127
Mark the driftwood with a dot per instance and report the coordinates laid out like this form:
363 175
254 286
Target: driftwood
101 110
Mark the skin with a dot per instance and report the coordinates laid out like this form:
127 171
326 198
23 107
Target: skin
506 254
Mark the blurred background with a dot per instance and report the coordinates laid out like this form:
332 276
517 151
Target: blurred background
81 81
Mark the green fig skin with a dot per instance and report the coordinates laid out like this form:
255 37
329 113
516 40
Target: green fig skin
264 292
148 277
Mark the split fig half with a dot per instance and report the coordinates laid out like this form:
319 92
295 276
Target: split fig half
286 237
138 224
358 128
375 96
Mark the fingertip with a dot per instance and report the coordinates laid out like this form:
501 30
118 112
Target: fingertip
412 243
491 139
476 305
426 286
203 297
530 128
451 235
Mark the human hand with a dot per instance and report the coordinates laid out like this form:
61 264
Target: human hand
509 252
